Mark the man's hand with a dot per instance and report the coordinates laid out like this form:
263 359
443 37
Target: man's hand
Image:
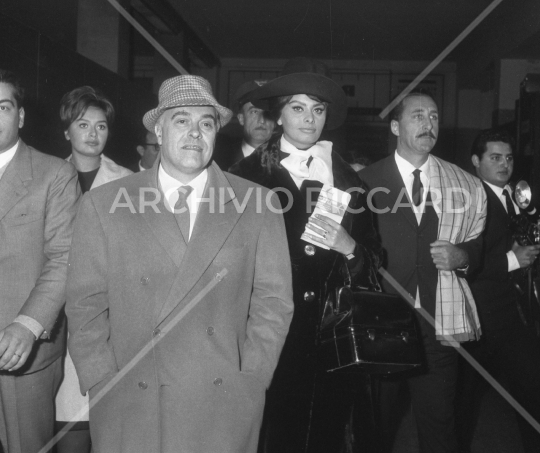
448 257
525 254
16 343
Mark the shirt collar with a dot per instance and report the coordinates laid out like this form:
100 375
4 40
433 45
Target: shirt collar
170 185
247 149
6 156
406 168
499 190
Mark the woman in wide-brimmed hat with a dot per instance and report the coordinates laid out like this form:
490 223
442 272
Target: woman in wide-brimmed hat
303 101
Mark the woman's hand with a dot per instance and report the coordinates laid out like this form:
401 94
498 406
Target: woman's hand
334 235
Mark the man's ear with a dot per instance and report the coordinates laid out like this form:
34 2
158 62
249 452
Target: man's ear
394 127
66 134
475 160
157 131
140 150
21 117
241 118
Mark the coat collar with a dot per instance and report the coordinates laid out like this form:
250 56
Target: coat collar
108 171
14 182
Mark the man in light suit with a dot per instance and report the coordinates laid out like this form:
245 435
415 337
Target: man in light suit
38 203
139 256
429 213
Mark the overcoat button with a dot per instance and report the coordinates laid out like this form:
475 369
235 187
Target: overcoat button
309 250
144 280
218 381
143 385
156 332
210 331
309 296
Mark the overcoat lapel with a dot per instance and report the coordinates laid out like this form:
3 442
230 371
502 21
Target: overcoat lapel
394 182
13 182
214 223
162 224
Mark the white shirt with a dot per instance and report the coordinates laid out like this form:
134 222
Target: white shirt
406 170
170 187
247 149
7 156
513 262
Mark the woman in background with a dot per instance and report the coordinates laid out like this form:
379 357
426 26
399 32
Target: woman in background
86 116
306 410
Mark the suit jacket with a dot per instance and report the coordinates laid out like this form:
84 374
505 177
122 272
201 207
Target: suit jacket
38 203
202 387
492 284
228 151
399 229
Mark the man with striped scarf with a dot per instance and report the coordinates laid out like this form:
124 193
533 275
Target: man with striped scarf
428 213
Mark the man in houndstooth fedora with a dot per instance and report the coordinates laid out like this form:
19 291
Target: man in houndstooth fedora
144 247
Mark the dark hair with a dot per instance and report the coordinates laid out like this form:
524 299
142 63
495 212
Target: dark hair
75 104
12 79
277 104
397 111
491 135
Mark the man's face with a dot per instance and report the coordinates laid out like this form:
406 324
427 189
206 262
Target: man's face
149 151
418 128
11 118
257 128
496 165
187 135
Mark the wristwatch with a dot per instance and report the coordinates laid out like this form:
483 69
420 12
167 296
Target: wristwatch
350 256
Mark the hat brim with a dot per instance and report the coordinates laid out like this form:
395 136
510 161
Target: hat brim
312 84
150 118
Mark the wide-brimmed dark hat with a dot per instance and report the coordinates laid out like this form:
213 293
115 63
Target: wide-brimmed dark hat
245 91
306 76
185 90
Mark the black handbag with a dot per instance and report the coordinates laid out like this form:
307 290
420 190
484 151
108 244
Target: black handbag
365 330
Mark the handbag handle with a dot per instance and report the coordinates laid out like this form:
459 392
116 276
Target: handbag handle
372 277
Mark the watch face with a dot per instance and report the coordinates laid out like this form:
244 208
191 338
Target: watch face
350 256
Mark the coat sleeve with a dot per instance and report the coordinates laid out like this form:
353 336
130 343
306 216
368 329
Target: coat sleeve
271 306
48 295
368 251
87 305
474 242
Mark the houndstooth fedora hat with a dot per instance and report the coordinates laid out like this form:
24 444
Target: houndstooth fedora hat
185 90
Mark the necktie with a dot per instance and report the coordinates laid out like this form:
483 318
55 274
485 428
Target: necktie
509 205
181 211
417 188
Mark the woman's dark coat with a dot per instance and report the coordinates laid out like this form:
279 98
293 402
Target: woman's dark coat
290 397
